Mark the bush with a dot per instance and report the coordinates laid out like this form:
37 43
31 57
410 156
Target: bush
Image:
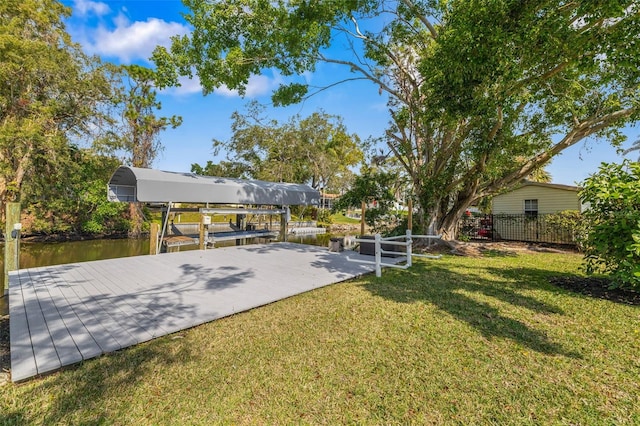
612 237
324 217
568 225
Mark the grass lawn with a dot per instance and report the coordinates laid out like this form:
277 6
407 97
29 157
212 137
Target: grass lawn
451 341
340 218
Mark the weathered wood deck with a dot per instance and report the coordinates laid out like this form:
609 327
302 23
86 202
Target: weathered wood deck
64 314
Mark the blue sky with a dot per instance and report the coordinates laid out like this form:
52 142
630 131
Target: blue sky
126 32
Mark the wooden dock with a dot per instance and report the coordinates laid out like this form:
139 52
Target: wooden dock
64 314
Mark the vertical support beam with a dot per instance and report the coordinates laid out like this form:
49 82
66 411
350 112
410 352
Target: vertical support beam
363 209
165 220
378 256
410 216
154 232
409 248
11 243
201 242
284 223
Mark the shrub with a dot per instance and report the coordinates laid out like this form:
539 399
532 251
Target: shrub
567 225
612 237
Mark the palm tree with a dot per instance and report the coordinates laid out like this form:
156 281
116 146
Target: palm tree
634 147
540 175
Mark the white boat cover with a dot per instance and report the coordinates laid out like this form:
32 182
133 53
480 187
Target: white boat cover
157 186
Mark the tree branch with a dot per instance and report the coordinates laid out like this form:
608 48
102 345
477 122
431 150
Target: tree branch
422 18
583 130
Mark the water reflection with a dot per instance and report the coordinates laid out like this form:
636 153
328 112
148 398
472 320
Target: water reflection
45 254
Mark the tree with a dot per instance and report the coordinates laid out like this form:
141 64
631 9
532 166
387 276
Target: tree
70 197
315 150
634 147
612 238
222 169
138 134
50 92
372 186
481 93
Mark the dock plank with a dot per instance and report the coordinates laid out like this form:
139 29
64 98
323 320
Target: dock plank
72 318
65 346
111 304
87 326
44 350
23 361
103 314
115 305
130 300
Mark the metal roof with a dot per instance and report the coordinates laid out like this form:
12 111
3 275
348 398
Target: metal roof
548 185
157 186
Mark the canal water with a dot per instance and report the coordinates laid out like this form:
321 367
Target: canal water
45 254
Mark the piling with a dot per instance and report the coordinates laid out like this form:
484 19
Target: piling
11 243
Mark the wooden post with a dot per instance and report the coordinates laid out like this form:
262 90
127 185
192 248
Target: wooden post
410 216
284 223
363 210
201 239
11 243
409 247
154 231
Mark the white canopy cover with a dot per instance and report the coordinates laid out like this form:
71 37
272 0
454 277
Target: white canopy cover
157 186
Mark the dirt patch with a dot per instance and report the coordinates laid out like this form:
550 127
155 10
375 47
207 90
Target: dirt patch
597 288
486 248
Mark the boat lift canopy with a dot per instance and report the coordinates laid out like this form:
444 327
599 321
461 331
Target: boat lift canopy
156 186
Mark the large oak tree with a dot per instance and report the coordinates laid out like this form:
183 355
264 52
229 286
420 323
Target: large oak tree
317 149
481 92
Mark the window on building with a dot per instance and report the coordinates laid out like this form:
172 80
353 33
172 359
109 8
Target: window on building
531 207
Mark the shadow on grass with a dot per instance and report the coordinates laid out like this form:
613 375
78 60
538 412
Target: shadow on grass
448 291
76 393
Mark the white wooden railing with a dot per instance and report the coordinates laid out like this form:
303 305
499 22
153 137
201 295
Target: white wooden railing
407 243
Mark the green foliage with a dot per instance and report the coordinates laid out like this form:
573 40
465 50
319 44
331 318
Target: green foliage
316 150
482 93
612 239
50 93
373 187
324 217
222 169
71 197
569 223
138 133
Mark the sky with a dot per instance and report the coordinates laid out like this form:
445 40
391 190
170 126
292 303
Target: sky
126 32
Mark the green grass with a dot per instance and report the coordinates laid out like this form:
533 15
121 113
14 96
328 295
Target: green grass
341 219
450 341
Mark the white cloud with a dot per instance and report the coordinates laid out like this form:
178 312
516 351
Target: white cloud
85 7
258 85
130 41
308 76
188 86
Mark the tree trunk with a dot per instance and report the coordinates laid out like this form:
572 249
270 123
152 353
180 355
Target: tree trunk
136 220
442 216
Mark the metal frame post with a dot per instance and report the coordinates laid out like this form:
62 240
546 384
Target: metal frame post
164 228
